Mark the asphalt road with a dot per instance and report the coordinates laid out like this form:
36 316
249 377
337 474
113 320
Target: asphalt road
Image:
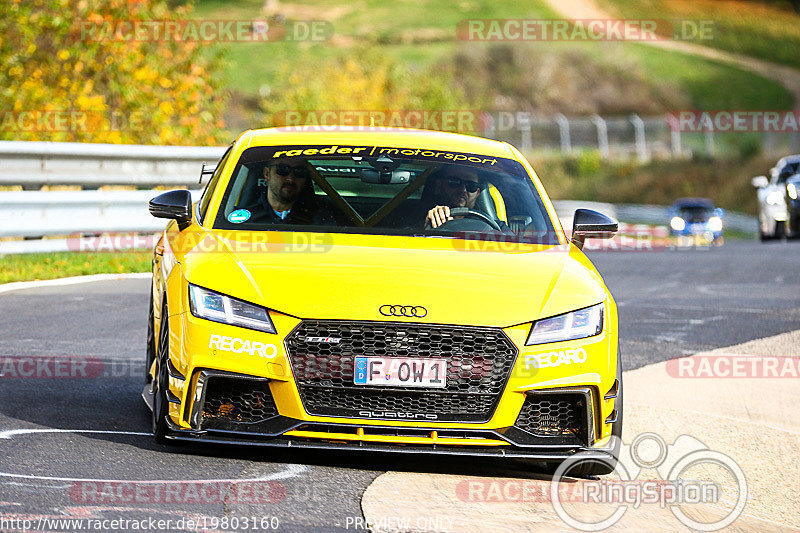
72 446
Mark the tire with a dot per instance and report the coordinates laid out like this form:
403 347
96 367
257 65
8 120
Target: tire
150 353
602 468
591 468
161 383
794 228
780 230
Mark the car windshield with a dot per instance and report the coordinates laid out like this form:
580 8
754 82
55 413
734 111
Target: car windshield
384 191
695 213
788 171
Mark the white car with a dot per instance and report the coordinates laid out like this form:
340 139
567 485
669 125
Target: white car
773 210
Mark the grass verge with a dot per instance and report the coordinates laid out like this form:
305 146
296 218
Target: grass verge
28 267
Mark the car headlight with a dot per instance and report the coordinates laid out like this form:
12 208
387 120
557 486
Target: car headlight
775 198
575 325
715 224
217 307
791 189
677 223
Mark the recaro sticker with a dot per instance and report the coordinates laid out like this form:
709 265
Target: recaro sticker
237 345
239 216
555 358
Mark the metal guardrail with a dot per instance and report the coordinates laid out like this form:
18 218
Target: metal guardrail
44 213
657 214
35 214
35 164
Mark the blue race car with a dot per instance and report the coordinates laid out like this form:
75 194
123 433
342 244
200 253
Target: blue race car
696 220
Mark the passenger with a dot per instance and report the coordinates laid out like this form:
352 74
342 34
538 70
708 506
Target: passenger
454 186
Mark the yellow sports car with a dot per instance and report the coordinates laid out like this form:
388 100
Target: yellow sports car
373 289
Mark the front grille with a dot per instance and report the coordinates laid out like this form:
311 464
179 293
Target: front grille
479 361
412 401
561 415
237 401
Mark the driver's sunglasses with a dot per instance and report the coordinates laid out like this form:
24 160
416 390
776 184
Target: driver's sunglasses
299 172
470 186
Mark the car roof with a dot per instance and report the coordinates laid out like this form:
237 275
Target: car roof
376 136
693 202
783 161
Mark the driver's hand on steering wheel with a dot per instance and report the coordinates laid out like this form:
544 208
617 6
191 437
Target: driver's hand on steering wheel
438 216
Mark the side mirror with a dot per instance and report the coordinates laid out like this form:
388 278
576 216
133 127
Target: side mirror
173 204
759 182
591 224
793 187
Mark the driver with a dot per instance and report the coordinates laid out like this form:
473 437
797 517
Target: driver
455 186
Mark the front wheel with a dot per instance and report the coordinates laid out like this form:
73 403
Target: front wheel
586 467
780 230
161 383
151 342
794 227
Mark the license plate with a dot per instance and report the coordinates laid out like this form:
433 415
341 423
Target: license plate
400 372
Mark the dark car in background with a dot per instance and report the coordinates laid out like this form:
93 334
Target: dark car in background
696 221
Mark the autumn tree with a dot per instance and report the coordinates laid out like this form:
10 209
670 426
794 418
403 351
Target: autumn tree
67 74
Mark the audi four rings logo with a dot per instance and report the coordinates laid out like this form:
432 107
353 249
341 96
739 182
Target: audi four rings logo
411 311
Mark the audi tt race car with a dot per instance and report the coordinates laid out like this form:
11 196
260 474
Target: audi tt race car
309 300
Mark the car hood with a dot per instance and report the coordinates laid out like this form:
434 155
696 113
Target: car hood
352 276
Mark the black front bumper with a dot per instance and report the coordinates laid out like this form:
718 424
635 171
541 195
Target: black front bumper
544 451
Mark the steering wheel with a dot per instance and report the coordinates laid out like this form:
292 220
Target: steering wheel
468 213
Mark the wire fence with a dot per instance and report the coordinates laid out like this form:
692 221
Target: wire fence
632 136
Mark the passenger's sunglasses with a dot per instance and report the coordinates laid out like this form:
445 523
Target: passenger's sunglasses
299 172
470 186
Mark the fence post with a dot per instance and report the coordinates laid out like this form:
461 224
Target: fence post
524 121
710 148
641 146
675 135
602 136
563 131
489 132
